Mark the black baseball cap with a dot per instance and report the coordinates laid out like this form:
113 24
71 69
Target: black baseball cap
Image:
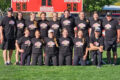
109 14
10 10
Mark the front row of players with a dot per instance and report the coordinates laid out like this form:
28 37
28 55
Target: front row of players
59 51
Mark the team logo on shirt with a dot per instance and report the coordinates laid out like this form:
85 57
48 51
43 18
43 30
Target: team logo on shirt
96 25
81 25
32 27
11 22
20 25
66 22
108 26
50 44
43 25
79 44
96 43
55 26
38 44
27 42
65 43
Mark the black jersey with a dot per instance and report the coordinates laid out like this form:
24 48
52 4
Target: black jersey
25 43
97 41
50 45
80 46
82 25
65 46
32 26
94 24
37 45
20 28
9 27
110 28
69 24
43 27
55 25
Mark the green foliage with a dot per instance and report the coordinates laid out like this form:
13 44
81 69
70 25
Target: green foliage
4 4
96 5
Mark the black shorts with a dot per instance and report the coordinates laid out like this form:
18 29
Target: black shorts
8 44
111 45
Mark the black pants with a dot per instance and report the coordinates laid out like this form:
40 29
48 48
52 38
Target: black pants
50 58
96 58
37 59
65 59
25 58
76 60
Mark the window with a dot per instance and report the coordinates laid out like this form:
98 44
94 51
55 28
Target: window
72 6
49 2
75 7
24 6
18 6
43 2
69 7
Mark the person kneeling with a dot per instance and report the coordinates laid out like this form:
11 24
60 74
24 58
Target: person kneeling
96 47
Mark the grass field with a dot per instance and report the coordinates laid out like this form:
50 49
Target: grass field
106 72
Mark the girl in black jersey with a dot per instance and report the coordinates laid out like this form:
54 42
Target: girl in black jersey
65 49
24 47
37 46
79 48
51 46
43 25
20 23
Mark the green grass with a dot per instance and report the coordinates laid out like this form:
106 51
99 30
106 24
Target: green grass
106 72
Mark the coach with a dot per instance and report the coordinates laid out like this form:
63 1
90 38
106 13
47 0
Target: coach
112 36
8 30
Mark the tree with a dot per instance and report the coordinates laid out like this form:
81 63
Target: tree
4 4
96 5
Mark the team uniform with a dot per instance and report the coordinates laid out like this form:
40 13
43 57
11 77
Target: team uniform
25 43
32 26
43 27
82 25
20 28
37 45
9 33
51 51
79 50
69 24
110 38
55 25
94 24
65 51
96 53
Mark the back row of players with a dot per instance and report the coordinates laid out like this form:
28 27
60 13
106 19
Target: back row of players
59 42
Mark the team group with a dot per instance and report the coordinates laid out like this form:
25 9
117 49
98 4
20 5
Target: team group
67 41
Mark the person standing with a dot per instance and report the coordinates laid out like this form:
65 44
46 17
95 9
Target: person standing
112 36
20 24
51 45
65 49
55 25
68 22
95 23
31 24
8 35
43 25
79 48
37 46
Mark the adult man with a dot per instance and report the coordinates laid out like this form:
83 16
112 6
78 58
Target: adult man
112 36
8 31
